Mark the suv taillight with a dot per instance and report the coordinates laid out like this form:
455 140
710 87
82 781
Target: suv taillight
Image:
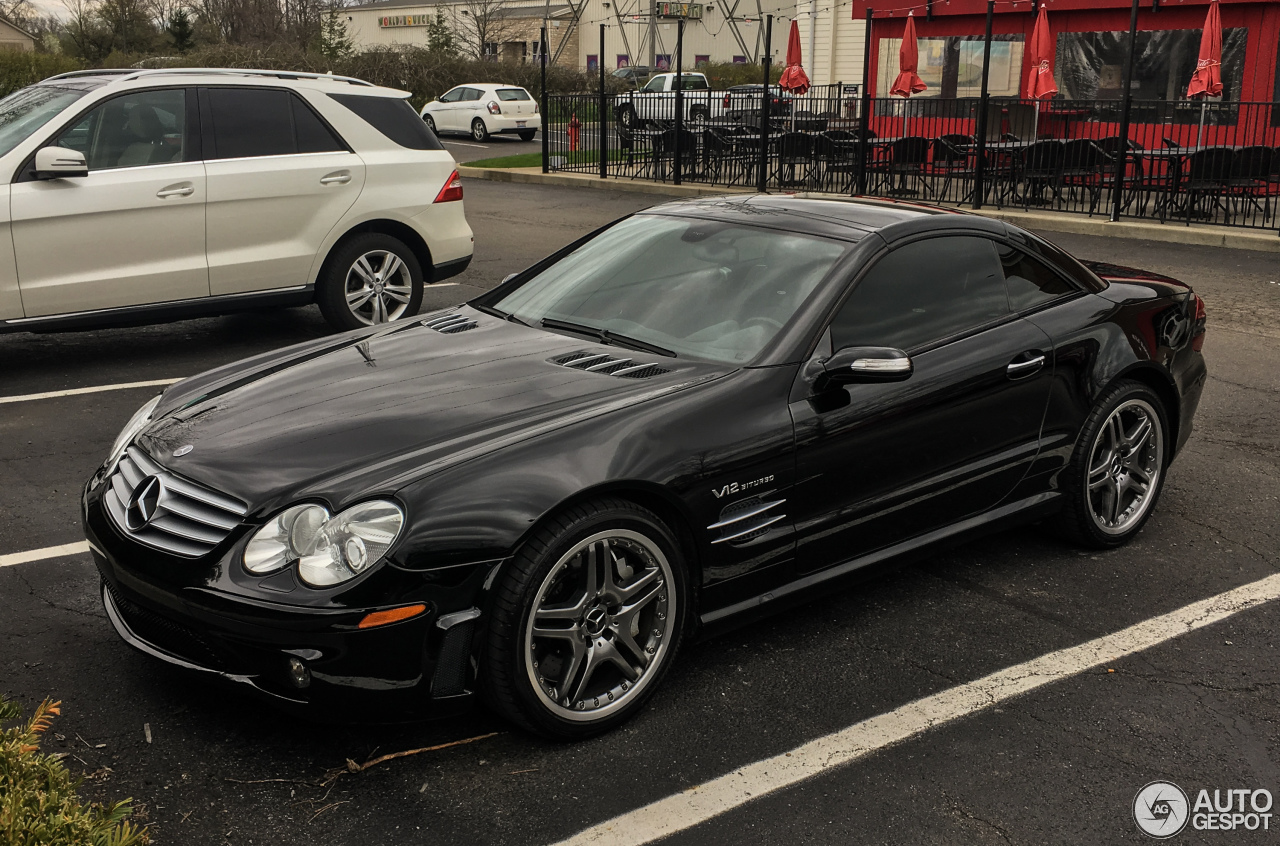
494 108
1197 338
452 189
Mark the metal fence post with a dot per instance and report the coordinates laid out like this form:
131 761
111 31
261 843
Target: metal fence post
1122 153
762 179
603 115
546 115
980 164
864 125
679 149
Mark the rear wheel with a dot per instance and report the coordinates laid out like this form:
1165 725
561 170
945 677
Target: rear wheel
479 131
587 620
370 279
1117 471
527 134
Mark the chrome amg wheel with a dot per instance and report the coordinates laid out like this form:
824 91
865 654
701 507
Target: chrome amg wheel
378 287
602 619
1124 468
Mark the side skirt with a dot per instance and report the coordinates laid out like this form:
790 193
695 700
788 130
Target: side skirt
162 312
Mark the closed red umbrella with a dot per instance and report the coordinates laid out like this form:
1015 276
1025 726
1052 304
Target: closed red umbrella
1040 79
908 82
1207 80
794 79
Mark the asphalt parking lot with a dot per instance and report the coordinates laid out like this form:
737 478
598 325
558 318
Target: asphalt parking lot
1061 764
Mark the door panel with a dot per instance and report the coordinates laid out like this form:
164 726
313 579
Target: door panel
131 232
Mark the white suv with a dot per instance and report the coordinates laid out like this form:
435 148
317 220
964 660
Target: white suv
142 196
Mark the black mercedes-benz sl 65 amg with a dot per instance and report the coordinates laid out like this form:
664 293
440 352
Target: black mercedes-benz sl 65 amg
700 412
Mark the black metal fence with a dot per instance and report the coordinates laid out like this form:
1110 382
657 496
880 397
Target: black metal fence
1187 161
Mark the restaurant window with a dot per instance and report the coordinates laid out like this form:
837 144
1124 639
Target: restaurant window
952 66
1090 65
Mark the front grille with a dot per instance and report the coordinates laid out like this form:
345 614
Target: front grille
166 635
181 517
450 324
609 365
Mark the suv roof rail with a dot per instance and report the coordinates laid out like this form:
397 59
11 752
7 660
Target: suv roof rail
132 73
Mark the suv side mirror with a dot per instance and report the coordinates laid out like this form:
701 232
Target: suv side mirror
854 365
59 162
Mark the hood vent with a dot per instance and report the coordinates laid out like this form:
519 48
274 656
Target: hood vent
746 520
450 324
610 365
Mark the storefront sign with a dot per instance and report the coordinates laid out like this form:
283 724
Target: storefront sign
390 21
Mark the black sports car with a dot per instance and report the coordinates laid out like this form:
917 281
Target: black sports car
698 412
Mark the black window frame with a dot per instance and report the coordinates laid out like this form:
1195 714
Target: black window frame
209 143
195 134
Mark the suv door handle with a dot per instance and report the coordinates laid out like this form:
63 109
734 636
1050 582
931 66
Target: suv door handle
1022 369
335 179
176 191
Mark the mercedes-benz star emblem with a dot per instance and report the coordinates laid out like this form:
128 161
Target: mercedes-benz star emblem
144 503
182 450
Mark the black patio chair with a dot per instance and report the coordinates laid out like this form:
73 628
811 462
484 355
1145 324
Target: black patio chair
795 155
1040 167
1085 167
953 157
907 158
1250 178
1208 176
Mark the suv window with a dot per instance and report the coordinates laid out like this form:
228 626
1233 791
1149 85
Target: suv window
1031 282
923 292
254 122
132 130
25 111
394 118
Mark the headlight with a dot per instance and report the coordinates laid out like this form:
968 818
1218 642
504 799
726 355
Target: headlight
327 549
140 418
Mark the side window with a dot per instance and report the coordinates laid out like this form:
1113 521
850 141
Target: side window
923 292
393 117
452 96
252 122
473 94
1031 282
133 130
249 122
655 84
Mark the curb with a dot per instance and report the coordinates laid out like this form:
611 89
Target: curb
1173 233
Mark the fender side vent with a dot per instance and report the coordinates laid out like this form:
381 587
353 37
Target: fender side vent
746 520
449 324
610 365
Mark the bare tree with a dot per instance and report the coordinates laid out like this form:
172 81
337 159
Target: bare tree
483 22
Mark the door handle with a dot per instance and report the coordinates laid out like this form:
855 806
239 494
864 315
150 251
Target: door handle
1020 369
176 191
335 179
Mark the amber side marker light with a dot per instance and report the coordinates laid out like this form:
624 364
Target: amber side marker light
391 615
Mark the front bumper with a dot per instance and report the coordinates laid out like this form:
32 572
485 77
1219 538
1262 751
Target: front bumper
418 667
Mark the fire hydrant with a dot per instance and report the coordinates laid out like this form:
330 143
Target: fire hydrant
574 126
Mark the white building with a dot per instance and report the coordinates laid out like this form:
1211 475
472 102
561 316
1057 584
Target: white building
727 31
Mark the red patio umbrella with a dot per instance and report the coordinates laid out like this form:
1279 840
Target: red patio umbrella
908 82
1207 80
794 79
1040 78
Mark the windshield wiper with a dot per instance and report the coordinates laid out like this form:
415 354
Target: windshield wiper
497 312
606 336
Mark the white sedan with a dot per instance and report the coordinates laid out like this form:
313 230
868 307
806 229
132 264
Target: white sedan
483 110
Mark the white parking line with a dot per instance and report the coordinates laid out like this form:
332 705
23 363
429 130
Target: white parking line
74 391
465 144
41 554
706 801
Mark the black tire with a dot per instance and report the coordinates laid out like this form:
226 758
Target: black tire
431 123
627 117
527 134
699 113
333 286
479 131
535 573
1083 518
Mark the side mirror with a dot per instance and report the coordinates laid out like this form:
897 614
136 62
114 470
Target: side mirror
59 162
854 365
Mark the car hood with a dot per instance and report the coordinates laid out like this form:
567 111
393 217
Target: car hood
370 412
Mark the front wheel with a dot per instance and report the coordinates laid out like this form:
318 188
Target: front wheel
586 620
479 131
371 279
430 122
1117 471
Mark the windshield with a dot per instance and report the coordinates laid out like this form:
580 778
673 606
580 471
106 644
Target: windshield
707 289
25 111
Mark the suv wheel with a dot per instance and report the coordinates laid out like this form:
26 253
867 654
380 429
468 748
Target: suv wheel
370 279
586 620
479 131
